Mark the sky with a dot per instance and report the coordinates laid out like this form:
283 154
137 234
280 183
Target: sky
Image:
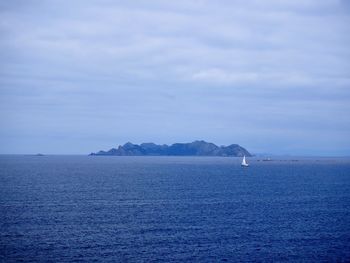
80 76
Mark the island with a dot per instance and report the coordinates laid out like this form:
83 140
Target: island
196 148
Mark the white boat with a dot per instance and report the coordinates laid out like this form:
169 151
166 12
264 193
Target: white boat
244 163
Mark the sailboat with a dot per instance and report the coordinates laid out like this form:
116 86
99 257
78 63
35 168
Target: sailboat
244 163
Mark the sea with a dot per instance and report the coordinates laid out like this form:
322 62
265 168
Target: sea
174 209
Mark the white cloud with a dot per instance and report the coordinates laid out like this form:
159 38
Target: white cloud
223 77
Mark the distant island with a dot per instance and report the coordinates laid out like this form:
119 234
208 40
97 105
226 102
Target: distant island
196 148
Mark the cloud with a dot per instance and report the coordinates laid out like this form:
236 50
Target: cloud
233 78
180 70
220 76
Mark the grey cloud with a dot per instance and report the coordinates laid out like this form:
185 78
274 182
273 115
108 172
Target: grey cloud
180 70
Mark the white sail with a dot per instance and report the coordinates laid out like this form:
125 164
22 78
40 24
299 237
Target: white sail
244 163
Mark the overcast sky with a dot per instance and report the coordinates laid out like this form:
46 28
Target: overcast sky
80 76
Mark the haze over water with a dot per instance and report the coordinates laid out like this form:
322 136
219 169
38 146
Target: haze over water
204 209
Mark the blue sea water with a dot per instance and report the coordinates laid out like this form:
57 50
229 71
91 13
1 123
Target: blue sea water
173 209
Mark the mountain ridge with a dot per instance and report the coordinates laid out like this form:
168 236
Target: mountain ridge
195 148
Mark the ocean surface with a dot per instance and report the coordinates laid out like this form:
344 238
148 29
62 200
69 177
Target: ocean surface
173 209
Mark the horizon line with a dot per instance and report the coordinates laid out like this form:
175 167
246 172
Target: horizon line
254 155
